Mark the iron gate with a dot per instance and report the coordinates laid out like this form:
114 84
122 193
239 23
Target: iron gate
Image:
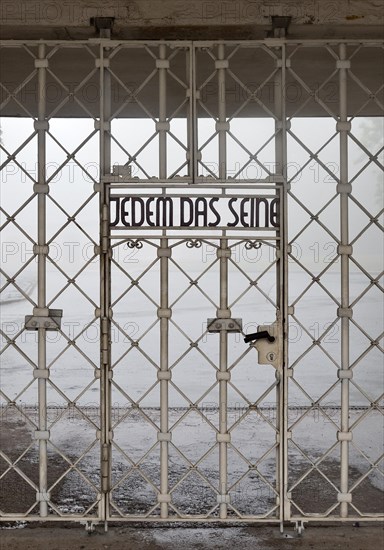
128 383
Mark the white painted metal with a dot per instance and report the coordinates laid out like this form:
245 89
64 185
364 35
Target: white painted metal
222 69
223 312
43 496
105 286
281 282
344 241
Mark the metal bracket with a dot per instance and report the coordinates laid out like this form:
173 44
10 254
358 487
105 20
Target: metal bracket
221 64
161 436
43 497
89 525
344 497
52 321
279 63
299 527
166 497
229 325
122 171
41 434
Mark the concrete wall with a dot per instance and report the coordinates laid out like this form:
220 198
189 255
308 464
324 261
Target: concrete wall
190 19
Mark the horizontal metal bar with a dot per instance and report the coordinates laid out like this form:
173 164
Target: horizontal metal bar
272 42
335 519
142 519
189 236
192 519
68 517
201 228
164 184
193 196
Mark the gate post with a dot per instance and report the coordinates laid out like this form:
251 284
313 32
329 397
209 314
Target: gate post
42 434
105 286
164 313
344 312
283 499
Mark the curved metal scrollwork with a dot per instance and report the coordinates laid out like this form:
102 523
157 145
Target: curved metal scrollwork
193 243
252 244
134 243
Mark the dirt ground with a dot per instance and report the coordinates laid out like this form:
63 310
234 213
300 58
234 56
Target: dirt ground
364 537
23 536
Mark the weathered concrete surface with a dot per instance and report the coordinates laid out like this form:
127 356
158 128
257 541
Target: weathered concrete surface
152 538
195 19
67 20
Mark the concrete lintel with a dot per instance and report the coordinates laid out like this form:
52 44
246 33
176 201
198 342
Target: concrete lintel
171 19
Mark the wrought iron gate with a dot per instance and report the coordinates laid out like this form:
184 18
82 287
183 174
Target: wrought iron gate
149 405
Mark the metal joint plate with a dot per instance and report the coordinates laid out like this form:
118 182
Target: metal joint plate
50 322
230 325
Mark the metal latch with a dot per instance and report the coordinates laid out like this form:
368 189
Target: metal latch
267 341
230 325
259 336
52 321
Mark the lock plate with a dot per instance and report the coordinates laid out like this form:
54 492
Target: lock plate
269 353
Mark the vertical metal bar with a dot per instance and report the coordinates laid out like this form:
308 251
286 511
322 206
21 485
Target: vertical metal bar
191 119
164 311
283 282
284 273
105 287
164 314
162 114
222 115
281 294
344 259
41 282
194 117
224 253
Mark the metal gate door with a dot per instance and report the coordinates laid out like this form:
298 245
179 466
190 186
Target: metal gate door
195 426
185 282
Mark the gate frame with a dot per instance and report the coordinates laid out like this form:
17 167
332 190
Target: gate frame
105 273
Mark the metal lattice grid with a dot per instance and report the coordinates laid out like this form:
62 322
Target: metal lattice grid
193 400
196 134
60 189
345 343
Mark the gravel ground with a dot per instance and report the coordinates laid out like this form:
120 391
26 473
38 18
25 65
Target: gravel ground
365 537
71 495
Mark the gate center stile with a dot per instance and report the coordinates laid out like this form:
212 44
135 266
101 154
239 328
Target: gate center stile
164 375
223 437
